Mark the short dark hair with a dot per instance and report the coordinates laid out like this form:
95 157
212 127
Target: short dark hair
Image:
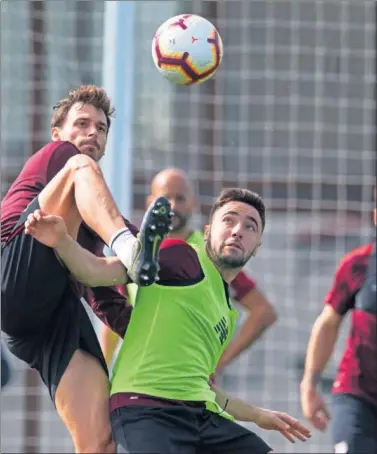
240 195
86 94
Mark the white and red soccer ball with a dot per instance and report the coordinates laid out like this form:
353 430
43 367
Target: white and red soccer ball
187 49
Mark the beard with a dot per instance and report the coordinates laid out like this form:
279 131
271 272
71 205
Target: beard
181 223
223 260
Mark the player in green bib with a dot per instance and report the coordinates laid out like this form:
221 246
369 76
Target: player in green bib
162 400
175 185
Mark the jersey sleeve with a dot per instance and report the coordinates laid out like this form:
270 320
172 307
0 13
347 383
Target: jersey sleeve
241 285
340 296
111 307
57 158
179 263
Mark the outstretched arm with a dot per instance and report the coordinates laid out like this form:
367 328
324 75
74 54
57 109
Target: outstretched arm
261 315
320 348
288 426
86 267
322 341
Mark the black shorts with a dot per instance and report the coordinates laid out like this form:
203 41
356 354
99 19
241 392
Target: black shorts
179 429
42 316
354 425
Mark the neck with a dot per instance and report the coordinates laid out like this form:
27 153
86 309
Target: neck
181 234
228 274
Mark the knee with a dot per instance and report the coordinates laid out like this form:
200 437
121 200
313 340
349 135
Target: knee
81 162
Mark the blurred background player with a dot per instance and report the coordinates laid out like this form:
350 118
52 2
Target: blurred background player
354 403
43 318
175 185
162 400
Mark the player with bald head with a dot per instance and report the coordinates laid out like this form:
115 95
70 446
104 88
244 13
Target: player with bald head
175 185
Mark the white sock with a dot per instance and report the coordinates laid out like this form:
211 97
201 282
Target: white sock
124 244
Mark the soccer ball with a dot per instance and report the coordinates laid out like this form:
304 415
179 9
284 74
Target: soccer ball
187 49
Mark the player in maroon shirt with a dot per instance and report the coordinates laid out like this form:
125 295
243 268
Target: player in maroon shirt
175 185
354 405
42 316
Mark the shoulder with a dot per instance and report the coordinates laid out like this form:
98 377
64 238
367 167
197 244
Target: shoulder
57 147
175 245
358 256
56 155
178 262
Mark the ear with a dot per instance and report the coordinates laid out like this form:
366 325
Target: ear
55 134
206 232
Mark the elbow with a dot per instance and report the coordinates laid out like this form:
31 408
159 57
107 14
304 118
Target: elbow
269 315
260 308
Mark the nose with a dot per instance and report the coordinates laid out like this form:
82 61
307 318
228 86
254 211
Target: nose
172 202
93 131
237 231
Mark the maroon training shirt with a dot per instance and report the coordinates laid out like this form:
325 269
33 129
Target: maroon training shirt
354 288
37 172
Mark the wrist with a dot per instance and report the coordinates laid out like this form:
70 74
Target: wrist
309 383
63 243
256 415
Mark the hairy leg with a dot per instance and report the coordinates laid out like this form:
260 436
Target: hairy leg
82 401
79 193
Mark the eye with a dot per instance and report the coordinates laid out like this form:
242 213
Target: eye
228 221
102 129
251 227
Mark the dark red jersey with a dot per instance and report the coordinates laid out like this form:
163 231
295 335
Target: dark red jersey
354 288
37 172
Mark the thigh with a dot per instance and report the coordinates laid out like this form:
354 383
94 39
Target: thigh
154 430
220 435
82 401
354 423
33 281
58 196
71 331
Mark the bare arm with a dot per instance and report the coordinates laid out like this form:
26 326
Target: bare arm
261 316
321 345
239 409
289 427
86 267
89 269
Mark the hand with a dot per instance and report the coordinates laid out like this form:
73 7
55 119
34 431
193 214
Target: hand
289 427
314 408
48 229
